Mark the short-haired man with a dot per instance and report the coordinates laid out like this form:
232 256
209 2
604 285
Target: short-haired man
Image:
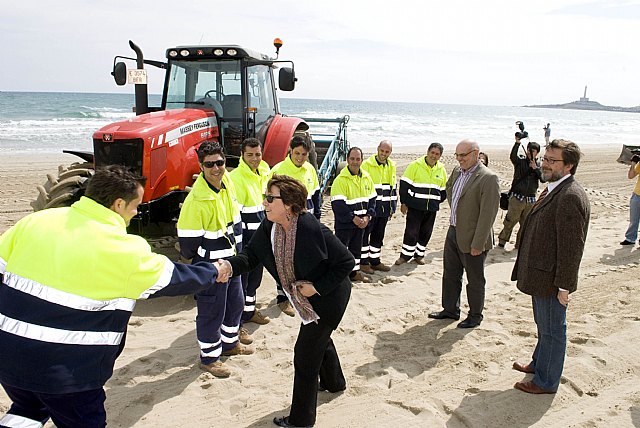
473 193
353 201
250 181
296 165
522 195
551 248
422 190
383 173
210 228
69 280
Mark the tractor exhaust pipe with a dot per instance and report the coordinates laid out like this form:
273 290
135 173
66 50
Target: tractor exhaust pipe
142 94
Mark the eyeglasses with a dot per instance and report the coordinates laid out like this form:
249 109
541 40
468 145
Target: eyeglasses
271 198
461 155
551 161
211 164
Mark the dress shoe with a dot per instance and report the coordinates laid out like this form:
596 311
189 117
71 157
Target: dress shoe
366 269
381 267
531 388
524 368
239 349
469 323
244 337
419 261
400 261
625 242
283 421
360 277
286 308
443 315
259 318
216 368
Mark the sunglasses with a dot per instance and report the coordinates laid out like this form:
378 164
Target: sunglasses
271 198
211 164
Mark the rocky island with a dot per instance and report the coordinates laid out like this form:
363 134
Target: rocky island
585 104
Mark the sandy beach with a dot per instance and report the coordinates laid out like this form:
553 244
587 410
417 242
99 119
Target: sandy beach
402 369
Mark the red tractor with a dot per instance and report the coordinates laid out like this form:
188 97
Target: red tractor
211 93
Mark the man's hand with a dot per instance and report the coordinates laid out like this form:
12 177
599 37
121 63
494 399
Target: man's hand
360 222
563 297
404 209
475 252
224 270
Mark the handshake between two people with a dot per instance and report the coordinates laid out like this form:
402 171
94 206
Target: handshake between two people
225 271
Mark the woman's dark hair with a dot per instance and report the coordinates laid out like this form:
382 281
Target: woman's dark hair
436 146
209 148
486 158
113 182
293 192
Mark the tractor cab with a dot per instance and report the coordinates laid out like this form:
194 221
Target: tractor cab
237 84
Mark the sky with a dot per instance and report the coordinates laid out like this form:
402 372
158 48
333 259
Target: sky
492 52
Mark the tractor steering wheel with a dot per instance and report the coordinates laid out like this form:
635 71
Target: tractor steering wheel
208 93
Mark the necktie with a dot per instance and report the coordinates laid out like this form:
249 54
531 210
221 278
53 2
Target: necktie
541 197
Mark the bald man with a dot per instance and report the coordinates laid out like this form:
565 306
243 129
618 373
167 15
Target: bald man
473 194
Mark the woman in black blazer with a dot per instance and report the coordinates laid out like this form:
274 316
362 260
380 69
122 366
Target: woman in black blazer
313 267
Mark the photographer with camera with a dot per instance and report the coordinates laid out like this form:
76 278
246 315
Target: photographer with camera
526 177
631 235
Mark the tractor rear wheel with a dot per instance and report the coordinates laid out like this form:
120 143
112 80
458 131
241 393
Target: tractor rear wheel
66 188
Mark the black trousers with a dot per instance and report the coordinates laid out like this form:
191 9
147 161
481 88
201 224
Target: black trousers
352 239
455 263
314 356
75 410
417 233
372 241
250 284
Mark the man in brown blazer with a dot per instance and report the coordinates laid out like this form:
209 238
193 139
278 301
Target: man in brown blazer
551 247
473 193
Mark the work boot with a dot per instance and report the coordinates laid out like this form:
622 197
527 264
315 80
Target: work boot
244 336
381 267
419 261
400 261
286 308
366 269
216 368
360 277
259 318
239 349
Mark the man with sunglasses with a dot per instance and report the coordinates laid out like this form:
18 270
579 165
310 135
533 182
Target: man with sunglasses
473 192
551 248
210 228
250 181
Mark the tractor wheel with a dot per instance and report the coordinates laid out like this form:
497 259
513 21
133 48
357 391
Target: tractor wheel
64 189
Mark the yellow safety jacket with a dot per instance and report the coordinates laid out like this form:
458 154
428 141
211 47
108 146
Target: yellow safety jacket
423 187
384 180
352 195
250 187
209 226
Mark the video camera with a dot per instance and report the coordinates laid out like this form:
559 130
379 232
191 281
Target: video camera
522 133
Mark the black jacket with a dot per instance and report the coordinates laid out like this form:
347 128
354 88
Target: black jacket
525 179
319 257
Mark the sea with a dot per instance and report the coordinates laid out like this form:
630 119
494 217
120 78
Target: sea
49 122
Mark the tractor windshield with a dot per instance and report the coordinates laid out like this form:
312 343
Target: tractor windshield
218 85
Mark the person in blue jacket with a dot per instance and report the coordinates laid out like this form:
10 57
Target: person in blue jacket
70 278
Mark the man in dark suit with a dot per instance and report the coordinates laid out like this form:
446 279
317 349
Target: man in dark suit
473 193
551 248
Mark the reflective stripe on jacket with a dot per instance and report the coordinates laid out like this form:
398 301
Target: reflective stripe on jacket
384 180
307 175
249 187
352 195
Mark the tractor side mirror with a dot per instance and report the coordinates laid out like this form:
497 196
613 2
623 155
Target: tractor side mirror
287 79
119 73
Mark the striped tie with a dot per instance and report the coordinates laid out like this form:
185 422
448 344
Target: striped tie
541 197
